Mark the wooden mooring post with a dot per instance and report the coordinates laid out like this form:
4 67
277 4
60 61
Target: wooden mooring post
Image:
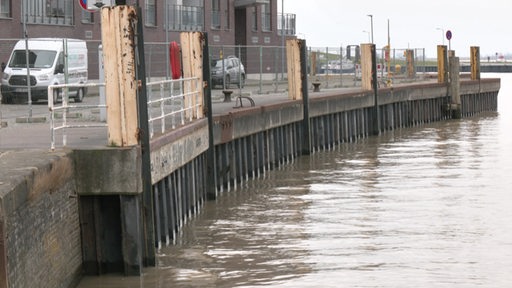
298 84
120 39
370 82
442 64
475 63
120 81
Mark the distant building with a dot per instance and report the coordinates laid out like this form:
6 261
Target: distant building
227 22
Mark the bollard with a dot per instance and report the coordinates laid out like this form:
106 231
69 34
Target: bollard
227 95
316 86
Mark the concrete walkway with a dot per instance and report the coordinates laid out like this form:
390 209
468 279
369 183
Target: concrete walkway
19 131
16 133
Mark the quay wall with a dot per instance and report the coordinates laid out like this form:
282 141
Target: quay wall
251 141
39 223
254 140
45 243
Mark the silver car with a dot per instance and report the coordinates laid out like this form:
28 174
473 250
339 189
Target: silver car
227 71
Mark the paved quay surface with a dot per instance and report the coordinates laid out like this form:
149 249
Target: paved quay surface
16 133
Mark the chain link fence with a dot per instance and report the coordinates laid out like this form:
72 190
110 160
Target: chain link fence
264 67
337 67
263 70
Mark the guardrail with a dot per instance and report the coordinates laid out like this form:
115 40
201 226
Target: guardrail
170 103
65 107
173 103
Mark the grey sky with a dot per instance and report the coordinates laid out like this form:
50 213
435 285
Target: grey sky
413 24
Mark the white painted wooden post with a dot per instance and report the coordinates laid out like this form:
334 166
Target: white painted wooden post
192 52
120 82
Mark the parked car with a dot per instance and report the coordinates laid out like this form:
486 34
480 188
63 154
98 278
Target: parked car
227 71
47 67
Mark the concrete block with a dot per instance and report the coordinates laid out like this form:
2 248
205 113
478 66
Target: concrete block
108 171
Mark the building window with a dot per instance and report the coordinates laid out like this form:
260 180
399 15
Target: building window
227 24
150 13
216 14
185 17
254 19
266 16
5 8
87 17
286 24
58 12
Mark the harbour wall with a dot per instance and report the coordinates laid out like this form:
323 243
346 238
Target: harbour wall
253 141
39 220
60 211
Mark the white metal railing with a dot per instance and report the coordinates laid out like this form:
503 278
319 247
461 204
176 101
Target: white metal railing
170 103
65 108
173 102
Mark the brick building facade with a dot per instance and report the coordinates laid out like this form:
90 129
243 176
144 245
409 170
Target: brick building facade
227 22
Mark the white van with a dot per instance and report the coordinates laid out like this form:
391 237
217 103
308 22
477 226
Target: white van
47 66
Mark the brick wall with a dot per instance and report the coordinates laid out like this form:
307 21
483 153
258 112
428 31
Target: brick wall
41 225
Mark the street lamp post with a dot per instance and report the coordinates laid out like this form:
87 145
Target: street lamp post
282 40
371 23
24 10
167 56
442 35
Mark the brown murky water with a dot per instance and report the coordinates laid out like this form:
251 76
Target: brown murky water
429 206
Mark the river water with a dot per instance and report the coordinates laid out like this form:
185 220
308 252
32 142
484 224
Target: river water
429 206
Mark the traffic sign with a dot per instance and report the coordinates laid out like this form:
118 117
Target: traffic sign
83 4
87 7
449 35
95 5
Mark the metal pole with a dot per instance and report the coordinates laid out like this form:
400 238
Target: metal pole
327 66
147 197
388 52
376 115
306 126
103 111
239 69
166 17
25 35
261 70
341 65
211 193
282 39
223 68
371 23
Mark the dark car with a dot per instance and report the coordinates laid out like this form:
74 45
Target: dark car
227 71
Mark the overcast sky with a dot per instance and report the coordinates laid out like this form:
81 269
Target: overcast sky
413 24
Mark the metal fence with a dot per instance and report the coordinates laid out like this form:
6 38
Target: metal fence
264 66
171 103
64 110
339 67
